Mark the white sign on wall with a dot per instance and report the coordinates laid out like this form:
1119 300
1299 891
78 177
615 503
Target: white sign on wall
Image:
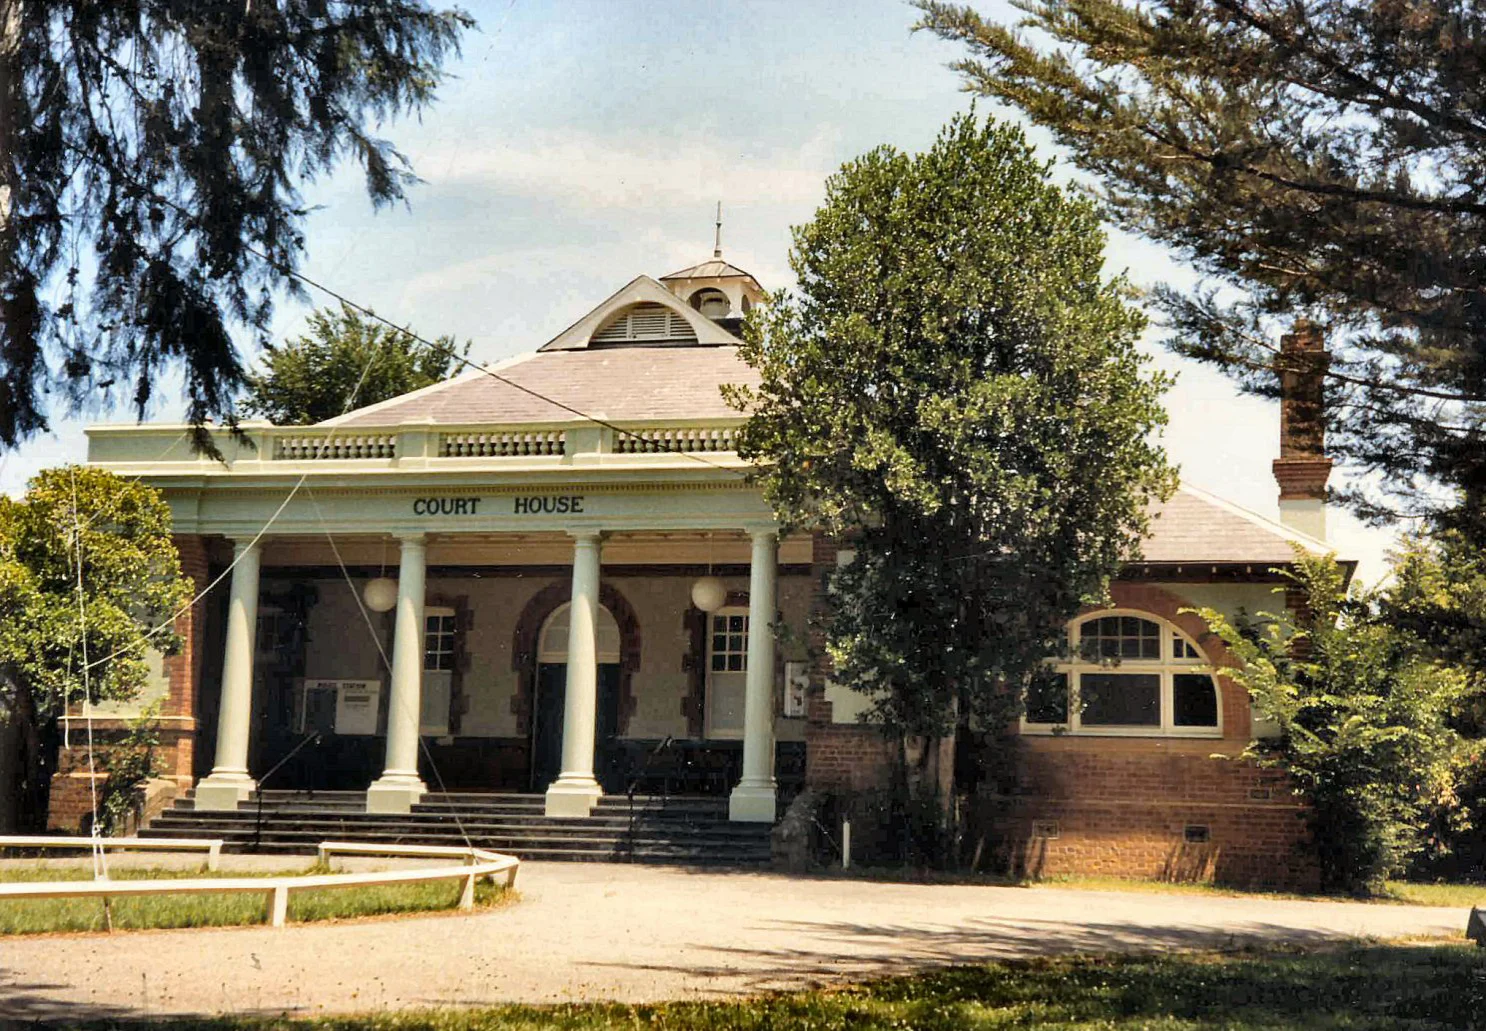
356 703
796 683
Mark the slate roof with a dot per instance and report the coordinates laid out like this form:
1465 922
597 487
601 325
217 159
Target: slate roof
640 384
1197 527
617 384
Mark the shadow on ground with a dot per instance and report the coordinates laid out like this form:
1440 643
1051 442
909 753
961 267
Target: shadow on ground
833 952
1335 988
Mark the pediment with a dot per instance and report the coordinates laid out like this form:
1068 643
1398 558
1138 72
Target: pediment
638 291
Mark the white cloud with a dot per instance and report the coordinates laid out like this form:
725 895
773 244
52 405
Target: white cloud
596 172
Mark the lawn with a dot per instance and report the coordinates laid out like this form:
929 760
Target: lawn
1362 988
39 916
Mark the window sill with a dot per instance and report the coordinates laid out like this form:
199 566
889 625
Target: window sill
1050 730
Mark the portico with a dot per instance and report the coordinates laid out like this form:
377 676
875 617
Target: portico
600 524
544 526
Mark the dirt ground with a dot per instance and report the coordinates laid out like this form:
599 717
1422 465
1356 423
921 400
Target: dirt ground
591 931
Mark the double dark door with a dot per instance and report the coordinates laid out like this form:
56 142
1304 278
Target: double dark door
546 734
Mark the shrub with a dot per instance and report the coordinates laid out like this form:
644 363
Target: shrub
1364 717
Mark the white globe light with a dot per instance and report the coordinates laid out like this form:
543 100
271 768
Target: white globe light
380 594
709 594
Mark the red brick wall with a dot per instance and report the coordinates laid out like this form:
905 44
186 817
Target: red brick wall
1119 806
178 729
1122 806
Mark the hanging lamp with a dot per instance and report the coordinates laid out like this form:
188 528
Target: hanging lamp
709 593
380 593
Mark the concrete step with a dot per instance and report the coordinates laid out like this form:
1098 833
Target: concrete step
720 836
721 852
647 828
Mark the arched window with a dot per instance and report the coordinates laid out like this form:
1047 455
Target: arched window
552 645
1126 673
711 302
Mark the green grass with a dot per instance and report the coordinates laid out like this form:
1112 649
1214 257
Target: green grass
42 916
1363 988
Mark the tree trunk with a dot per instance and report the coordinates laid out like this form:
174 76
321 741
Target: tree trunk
10 772
36 762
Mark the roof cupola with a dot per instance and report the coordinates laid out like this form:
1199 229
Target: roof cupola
716 288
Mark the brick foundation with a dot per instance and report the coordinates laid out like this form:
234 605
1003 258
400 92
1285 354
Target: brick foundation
1142 808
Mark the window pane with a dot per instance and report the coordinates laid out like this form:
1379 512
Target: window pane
1047 699
719 662
1120 699
719 642
1194 700
719 624
735 662
735 624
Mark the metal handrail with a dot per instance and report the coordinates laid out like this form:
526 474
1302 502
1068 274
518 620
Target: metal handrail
667 742
313 738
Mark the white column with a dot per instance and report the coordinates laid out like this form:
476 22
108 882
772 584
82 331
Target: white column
753 800
229 783
400 786
575 791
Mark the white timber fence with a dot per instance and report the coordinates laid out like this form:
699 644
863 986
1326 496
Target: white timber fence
476 863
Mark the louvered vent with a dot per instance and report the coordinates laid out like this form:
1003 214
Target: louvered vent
644 322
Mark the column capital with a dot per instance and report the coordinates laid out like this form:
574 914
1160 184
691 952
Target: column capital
418 538
757 530
585 535
241 545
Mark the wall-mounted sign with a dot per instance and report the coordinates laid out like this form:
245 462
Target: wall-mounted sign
356 706
447 506
796 684
549 504
525 505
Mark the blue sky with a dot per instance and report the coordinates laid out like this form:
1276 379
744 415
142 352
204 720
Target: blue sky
579 144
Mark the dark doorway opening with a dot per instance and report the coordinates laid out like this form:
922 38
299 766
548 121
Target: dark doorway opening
546 733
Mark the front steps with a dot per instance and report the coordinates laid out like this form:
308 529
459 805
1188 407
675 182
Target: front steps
689 831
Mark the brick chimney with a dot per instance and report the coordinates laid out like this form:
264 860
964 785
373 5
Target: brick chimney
1302 468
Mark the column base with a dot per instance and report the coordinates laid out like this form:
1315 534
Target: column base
394 793
220 792
753 803
573 797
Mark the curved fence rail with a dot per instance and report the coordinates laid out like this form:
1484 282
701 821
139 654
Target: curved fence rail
477 863
212 846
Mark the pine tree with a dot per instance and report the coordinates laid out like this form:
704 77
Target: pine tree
1324 160
150 157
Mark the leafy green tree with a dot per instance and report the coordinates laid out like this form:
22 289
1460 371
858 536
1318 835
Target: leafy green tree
150 156
57 646
1365 717
131 763
956 389
309 378
1437 593
1320 160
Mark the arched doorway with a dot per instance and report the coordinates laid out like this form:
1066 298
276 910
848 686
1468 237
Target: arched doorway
551 692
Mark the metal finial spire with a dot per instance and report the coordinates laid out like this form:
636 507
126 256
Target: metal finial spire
717 240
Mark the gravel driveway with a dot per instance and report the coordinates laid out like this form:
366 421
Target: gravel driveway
597 931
